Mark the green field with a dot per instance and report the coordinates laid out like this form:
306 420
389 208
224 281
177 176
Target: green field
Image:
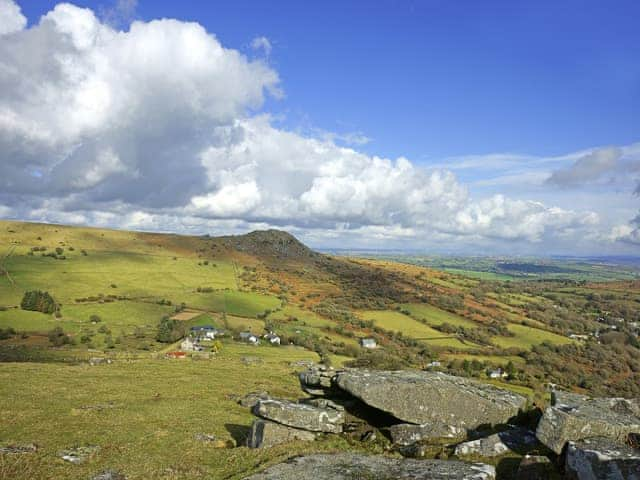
435 316
397 322
526 337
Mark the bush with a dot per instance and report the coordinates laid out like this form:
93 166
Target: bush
95 319
57 337
38 301
6 333
59 250
104 329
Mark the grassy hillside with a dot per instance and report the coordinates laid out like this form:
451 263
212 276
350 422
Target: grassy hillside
112 289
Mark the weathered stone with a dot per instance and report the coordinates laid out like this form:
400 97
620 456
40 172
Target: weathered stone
251 399
575 417
266 434
514 440
432 397
349 466
298 415
27 448
109 475
601 458
317 380
322 403
79 454
409 433
535 467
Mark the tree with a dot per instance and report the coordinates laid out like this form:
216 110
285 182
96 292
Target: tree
38 301
170 330
57 337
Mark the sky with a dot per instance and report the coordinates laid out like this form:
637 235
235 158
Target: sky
462 127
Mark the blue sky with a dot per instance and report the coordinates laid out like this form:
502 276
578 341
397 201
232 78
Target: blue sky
432 79
523 103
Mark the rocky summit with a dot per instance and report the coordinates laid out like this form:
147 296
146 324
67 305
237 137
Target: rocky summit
348 466
573 417
426 397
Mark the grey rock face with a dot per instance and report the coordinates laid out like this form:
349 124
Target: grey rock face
27 448
431 397
409 433
79 455
535 467
601 458
317 380
297 415
575 417
513 440
347 466
264 434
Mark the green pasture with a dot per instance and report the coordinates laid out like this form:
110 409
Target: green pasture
435 316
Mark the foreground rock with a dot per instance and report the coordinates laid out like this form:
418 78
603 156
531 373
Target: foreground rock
575 417
535 467
298 415
79 455
410 433
347 466
514 440
265 434
109 475
431 397
601 458
27 448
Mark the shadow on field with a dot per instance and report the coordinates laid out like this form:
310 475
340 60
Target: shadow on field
238 432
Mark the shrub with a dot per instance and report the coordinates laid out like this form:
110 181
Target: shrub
104 329
38 301
57 337
59 250
6 333
95 319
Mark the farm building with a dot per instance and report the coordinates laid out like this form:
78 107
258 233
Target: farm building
249 338
207 331
498 373
176 355
368 343
188 345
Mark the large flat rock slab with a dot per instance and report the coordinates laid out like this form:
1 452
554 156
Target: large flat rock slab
575 417
431 397
348 466
265 434
601 459
302 416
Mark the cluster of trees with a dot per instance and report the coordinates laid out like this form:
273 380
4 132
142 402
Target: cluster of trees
38 301
58 338
170 330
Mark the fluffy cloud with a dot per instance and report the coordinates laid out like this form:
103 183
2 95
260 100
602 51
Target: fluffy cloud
156 128
609 165
11 18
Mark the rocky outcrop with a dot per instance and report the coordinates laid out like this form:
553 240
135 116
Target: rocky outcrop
409 433
430 397
297 415
264 434
575 417
515 440
601 458
348 466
